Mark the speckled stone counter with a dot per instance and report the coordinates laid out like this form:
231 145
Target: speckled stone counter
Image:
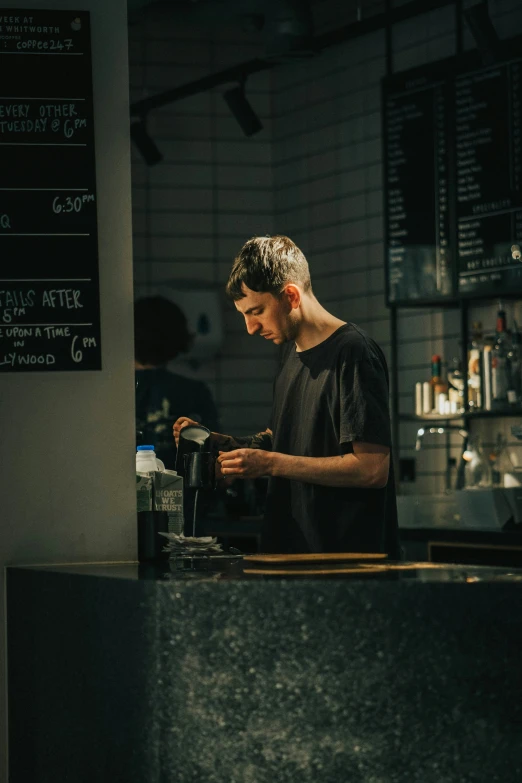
354 675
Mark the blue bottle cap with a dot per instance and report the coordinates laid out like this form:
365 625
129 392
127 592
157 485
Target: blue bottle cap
145 448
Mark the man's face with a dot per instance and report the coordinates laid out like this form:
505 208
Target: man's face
269 316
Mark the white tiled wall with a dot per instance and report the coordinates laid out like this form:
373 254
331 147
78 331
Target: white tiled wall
212 191
314 173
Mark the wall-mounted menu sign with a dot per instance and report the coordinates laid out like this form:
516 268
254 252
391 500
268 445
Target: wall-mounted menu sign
417 163
453 172
489 177
49 289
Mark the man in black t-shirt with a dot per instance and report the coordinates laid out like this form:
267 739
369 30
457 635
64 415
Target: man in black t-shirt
327 448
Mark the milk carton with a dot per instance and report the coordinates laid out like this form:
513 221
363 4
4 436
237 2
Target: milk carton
168 496
144 491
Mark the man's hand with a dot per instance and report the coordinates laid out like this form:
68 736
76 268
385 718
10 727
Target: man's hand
180 423
245 463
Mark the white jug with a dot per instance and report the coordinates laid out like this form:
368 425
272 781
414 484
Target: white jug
146 460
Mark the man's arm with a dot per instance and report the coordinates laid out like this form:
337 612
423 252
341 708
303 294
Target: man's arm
366 467
261 440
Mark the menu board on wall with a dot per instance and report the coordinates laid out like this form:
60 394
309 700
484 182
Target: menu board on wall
453 172
49 285
489 178
417 203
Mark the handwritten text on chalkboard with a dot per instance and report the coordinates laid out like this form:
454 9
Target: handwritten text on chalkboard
49 285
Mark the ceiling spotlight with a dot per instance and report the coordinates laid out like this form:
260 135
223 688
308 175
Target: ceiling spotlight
144 143
242 110
482 30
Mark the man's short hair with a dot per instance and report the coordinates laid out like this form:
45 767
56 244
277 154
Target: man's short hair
266 264
160 330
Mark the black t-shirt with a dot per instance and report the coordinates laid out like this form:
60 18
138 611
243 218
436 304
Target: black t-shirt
326 398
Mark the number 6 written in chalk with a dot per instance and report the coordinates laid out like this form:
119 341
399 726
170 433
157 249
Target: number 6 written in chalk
76 355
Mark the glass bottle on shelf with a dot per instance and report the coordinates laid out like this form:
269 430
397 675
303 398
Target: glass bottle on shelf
501 462
514 393
456 386
487 353
477 472
499 362
475 367
439 388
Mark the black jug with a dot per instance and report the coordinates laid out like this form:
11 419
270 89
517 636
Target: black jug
193 439
200 467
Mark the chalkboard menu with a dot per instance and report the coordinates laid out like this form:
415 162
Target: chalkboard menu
453 169
489 176
417 162
49 287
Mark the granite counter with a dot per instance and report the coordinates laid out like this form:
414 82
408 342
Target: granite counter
364 673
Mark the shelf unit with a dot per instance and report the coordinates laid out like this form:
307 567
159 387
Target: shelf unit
434 76
454 421
435 417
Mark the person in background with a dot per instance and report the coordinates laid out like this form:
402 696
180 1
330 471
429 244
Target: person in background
160 335
327 448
